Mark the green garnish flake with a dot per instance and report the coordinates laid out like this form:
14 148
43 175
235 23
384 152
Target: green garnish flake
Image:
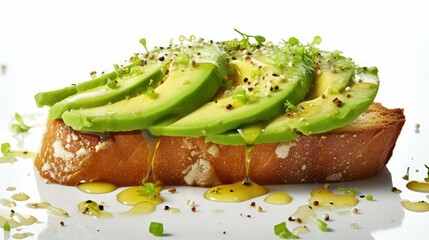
245 43
6 227
282 231
118 70
20 127
240 95
349 191
156 228
148 189
322 225
369 197
407 175
150 92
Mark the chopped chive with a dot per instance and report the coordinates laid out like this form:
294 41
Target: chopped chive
282 231
157 229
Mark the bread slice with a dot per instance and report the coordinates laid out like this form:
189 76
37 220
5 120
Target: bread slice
356 151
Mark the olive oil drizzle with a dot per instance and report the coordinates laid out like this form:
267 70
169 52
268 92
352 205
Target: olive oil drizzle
245 189
152 144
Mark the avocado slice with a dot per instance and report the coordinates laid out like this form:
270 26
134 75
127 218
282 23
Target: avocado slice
128 85
49 98
189 84
265 78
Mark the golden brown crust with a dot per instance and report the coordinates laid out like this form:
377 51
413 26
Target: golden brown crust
357 151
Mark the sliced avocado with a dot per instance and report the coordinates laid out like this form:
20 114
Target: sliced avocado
129 85
264 79
183 91
51 97
195 74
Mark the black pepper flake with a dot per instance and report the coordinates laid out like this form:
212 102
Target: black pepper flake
228 106
172 190
337 102
230 190
362 196
88 201
323 95
161 58
276 87
193 209
245 79
62 224
252 204
275 75
224 232
250 89
291 219
310 207
101 207
298 220
233 58
215 101
331 203
348 95
166 71
248 215
316 203
74 84
166 207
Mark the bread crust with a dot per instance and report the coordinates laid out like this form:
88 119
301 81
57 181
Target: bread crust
359 150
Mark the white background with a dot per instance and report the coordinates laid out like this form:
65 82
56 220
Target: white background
50 44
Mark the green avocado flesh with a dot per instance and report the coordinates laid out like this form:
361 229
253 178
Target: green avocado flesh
233 92
183 91
126 86
260 93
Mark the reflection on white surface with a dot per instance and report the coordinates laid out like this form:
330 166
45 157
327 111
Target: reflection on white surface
48 44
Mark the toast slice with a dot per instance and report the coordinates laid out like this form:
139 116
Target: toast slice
356 151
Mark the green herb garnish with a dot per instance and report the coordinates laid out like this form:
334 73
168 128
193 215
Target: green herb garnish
6 227
369 197
148 189
349 191
290 107
118 70
150 92
240 95
20 127
156 228
323 226
407 175
245 43
282 231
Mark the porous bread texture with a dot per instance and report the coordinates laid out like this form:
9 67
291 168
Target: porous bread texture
356 151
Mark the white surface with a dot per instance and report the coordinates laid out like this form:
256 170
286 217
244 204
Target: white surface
49 44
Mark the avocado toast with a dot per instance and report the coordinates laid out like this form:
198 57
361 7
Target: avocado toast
205 113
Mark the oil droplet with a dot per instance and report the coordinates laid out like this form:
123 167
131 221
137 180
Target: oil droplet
92 208
301 229
7 203
46 205
10 189
142 208
20 197
324 197
236 192
22 235
173 210
96 187
132 196
418 186
420 206
278 198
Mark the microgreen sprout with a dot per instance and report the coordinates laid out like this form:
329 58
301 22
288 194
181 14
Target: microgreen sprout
245 41
282 231
290 107
20 127
144 43
148 189
119 71
349 191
